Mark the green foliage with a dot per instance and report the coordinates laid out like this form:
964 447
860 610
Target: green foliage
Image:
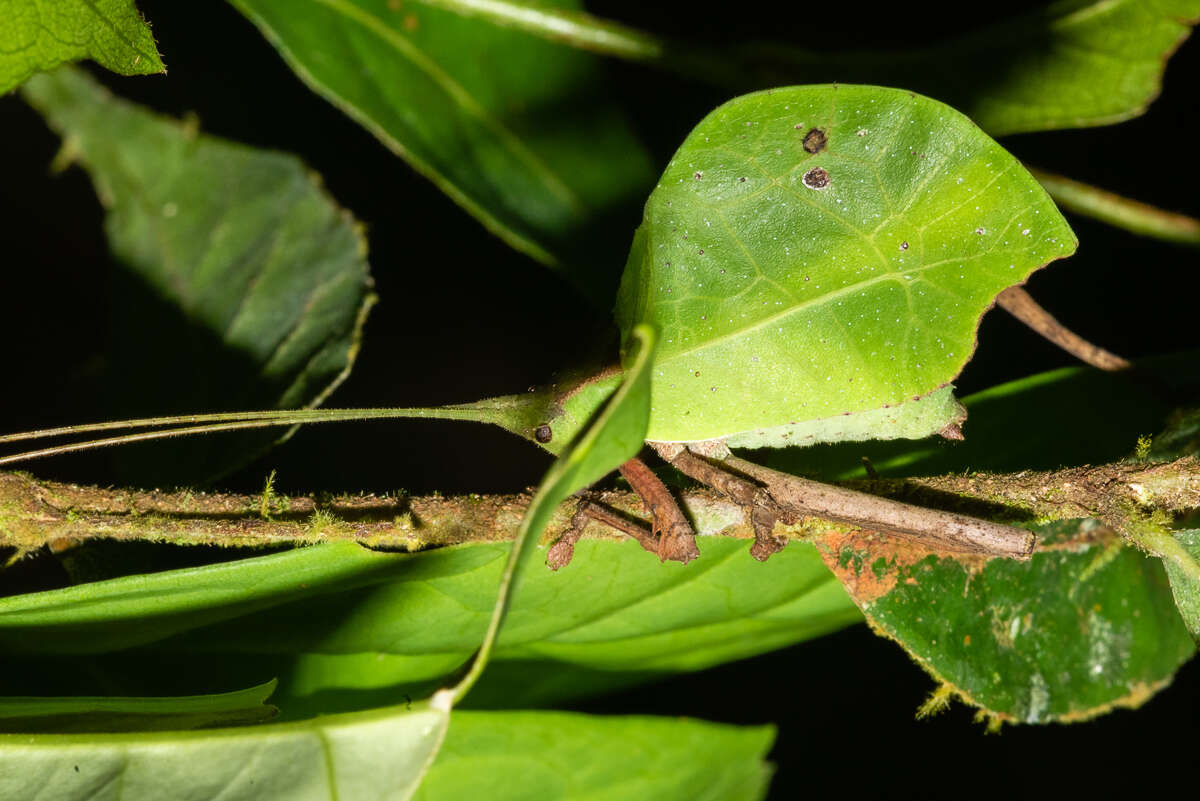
338 617
814 252
268 272
1074 64
39 35
381 754
1183 569
111 714
1067 417
504 147
546 755
1085 625
812 268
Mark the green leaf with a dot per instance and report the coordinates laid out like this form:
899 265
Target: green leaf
519 134
1074 64
554 755
1087 624
38 35
110 714
254 281
381 753
1067 417
1184 573
370 620
814 253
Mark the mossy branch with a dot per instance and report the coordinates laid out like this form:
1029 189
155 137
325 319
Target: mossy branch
36 513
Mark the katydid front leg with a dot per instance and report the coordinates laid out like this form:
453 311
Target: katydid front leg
670 536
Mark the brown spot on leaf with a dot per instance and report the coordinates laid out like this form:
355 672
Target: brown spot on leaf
816 178
543 433
815 140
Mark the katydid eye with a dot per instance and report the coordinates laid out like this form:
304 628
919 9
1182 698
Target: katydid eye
543 434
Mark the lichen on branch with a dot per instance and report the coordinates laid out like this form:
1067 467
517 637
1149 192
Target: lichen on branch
36 513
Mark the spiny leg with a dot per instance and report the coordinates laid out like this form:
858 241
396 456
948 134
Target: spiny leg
760 506
563 550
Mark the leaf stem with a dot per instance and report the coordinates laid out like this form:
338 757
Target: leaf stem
1113 209
1158 540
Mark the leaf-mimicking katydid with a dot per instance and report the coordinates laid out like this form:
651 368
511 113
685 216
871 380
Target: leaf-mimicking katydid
812 261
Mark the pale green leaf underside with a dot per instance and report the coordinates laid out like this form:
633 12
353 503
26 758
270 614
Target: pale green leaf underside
535 159
782 300
1085 625
1061 418
38 35
259 280
383 754
379 754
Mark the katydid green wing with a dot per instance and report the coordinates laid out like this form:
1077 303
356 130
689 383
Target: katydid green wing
816 253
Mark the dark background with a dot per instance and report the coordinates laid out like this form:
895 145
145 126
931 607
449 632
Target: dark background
464 317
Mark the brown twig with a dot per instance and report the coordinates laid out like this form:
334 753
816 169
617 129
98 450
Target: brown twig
1017 302
35 513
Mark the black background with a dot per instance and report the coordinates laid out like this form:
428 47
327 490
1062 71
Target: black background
464 317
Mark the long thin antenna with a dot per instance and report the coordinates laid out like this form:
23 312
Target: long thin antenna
187 425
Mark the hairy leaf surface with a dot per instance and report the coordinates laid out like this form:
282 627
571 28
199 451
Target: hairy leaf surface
513 128
1087 624
818 252
251 278
38 35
